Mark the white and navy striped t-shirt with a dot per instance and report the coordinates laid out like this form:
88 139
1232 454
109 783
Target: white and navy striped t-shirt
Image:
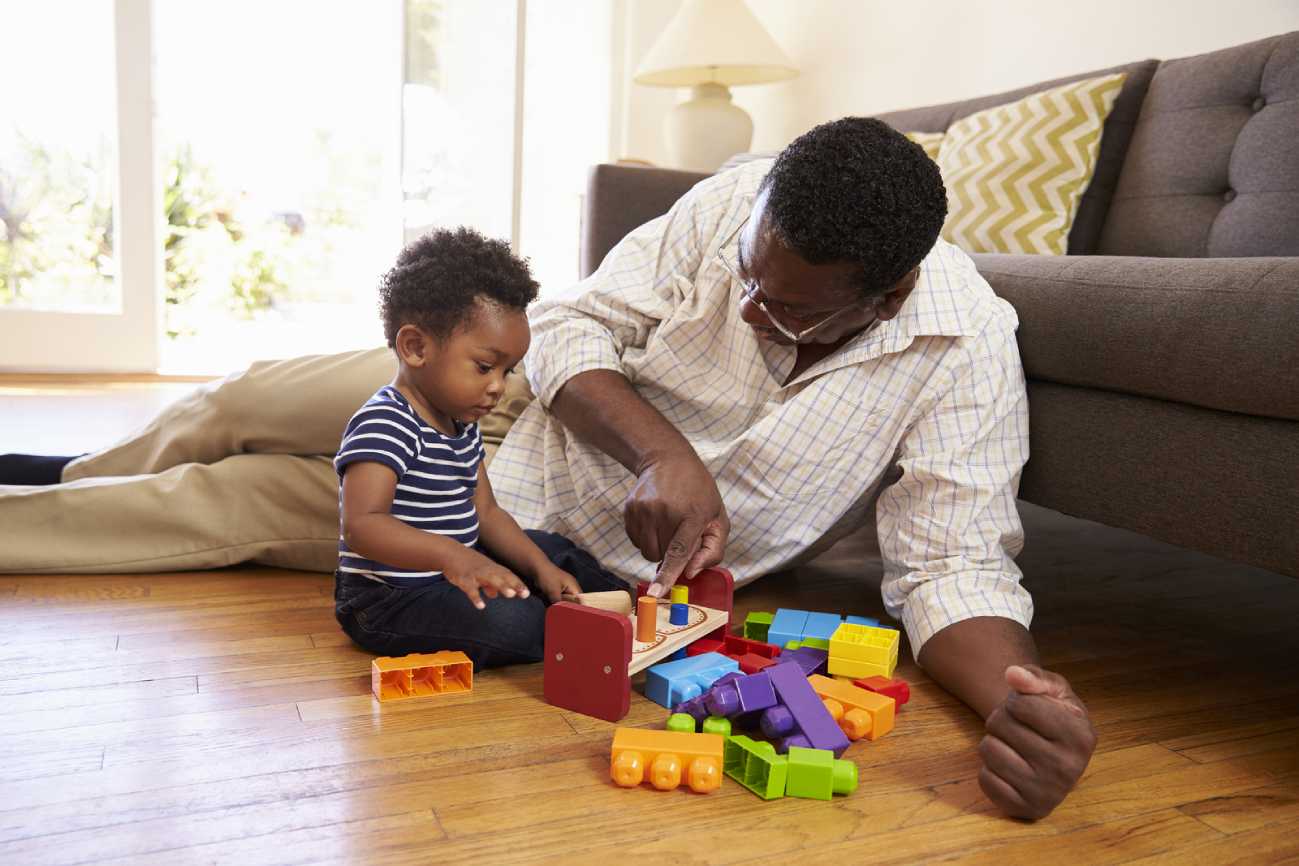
436 478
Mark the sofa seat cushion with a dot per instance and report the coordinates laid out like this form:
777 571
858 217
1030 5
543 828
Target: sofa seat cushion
1215 333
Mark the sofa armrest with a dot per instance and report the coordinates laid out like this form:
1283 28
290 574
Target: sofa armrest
1216 333
621 197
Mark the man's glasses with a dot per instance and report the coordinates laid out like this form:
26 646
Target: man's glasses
776 313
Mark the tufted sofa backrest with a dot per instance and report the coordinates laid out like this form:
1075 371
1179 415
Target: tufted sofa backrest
1213 165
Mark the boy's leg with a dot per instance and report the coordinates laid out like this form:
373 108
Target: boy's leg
577 562
393 622
275 509
296 406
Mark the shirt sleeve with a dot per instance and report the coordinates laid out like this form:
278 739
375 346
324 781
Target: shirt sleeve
949 528
379 433
610 315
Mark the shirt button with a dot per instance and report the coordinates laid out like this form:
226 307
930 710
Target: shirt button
1229 195
1258 103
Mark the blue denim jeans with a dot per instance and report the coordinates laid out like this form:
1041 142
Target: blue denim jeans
393 621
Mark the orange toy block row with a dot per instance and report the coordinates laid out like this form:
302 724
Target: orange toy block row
670 757
859 713
421 675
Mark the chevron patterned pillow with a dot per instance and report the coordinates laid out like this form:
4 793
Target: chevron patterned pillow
1016 172
929 141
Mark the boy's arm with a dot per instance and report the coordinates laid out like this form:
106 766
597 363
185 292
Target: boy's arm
370 530
500 534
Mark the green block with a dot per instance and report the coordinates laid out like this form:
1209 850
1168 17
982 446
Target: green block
717 725
683 722
756 766
756 625
816 775
818 642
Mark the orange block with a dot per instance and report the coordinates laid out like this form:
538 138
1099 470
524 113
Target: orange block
647 618
420 675
859 713
669 757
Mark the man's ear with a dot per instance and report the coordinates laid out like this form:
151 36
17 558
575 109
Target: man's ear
413 346
890 304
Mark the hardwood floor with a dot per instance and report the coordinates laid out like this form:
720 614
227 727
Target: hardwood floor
221 717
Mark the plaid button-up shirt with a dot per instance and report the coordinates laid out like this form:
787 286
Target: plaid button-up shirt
922 420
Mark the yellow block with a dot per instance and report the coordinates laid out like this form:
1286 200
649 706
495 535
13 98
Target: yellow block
877 647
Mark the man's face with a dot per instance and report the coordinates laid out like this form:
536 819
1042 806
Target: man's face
801 295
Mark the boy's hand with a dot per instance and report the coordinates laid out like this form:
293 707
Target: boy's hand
1038 744
479 573
557 583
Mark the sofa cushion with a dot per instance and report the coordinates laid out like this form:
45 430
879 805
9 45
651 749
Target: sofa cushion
1213 168
1086 231
1216 333
1015 173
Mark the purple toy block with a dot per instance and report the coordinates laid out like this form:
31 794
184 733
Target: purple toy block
740 695
778 721
814 720
809 659
695 707
793 740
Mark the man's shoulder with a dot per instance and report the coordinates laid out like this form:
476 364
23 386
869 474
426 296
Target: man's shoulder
953 299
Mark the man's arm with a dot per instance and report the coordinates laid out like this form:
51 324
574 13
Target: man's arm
948 529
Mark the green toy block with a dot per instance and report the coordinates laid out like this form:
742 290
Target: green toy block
756 766
683 722
756 625
716 725
816 775
818 642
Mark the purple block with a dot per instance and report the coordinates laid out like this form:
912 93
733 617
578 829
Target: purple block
778 721
730 678
814 720
756 692
723 700
799 740
810 659
695 707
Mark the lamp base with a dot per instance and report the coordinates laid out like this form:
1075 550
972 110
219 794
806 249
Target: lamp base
706 130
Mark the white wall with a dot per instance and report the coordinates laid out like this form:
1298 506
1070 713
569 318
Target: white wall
870 56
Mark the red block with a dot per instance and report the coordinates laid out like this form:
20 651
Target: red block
735 646
896 689
751 663
704 645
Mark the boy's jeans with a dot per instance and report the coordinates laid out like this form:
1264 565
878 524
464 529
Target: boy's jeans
393 621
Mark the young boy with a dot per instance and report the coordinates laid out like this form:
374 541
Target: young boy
423 540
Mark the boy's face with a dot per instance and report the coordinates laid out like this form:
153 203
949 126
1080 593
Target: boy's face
463 375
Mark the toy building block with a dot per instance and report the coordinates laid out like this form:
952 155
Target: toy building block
862 620
895 688
706 645
859 713
756 625
787 625
800 718
863 651
731 696
716 725
682 722
670 683
669 758
808 659
420 675
821 625
695 708
817 775
590 656
756 766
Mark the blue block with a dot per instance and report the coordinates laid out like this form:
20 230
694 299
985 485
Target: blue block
821 625
864 620
670 683
786 625
679 614
679 654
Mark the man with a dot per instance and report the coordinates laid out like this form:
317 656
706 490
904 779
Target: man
743 380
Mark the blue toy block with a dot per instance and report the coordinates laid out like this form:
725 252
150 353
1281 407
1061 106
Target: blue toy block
670 683
679 654
813 720
786 625
679 614
821 625
864 620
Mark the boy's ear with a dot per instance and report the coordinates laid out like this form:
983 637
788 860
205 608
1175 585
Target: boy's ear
413 346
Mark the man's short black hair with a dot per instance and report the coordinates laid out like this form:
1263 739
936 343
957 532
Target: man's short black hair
439 277
856 190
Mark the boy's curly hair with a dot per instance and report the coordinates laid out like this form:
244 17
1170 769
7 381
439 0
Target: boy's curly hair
856 190
439 277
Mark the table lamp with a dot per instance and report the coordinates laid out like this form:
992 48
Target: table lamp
708 46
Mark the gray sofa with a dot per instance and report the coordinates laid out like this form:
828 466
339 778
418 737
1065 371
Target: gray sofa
1162 352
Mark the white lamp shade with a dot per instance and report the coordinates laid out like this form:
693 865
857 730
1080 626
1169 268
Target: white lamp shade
714 41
